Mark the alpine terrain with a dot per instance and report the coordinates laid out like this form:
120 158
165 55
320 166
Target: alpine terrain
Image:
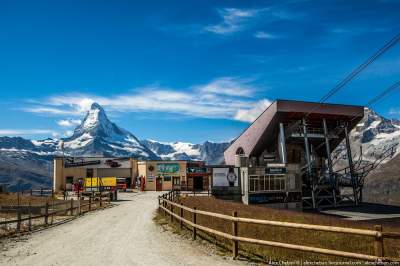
25 163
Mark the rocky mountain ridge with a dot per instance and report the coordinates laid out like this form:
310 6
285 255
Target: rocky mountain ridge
31 161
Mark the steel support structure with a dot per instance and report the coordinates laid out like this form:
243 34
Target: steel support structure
353 177
282 144
332 177
309 166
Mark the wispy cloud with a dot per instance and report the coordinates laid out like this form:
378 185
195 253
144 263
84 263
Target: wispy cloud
249 115
238 19
233 20
27 132
228 86
265 35
225 97
68 122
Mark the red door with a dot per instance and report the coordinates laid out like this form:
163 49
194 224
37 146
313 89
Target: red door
159 184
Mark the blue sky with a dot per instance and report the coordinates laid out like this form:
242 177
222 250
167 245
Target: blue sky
186 70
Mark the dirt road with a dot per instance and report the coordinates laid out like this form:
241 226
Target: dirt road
122 235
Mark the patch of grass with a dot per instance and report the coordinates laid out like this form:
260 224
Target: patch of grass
336 241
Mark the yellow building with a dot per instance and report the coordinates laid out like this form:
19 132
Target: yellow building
69 170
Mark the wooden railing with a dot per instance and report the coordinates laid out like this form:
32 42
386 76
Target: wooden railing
167 204
73 208
42 192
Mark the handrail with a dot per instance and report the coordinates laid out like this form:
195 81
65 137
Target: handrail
278 244
69 207
325 228
167 199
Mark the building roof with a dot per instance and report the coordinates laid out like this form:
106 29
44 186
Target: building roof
263 130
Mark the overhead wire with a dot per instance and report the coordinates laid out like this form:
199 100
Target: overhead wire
355 72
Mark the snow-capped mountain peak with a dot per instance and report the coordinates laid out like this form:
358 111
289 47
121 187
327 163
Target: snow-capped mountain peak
97 135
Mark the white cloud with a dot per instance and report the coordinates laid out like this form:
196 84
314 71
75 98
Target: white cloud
68 122
233 20
238 19
249 115
220 98
46 110
68 133
22 132
264 35
228 86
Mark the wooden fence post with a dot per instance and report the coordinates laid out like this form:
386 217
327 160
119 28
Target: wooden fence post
72 207
235 243
171 208
79 207
52 213
19 220
194 221
181 215
41 192
52 193
31 192
46 213
165 205
30 216
90 203
378 243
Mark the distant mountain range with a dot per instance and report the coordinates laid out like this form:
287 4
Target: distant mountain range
25 163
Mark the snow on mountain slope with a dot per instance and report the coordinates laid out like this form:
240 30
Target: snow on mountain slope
97 135
374 134
210 152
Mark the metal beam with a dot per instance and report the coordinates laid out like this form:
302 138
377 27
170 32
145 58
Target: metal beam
329 159
282 144
308 158
351 165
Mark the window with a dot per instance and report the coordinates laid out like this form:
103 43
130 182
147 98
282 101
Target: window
89 172
240 151
69 179
264 183
176 181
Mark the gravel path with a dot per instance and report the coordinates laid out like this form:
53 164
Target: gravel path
122 235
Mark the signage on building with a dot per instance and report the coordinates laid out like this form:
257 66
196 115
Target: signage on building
168 167
98 162
275 170
225 177
150 178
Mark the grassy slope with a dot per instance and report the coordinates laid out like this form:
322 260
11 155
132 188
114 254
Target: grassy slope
343 242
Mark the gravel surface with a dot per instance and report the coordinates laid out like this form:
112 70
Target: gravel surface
122 235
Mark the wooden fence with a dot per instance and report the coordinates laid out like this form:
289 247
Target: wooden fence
167 204
71 208
42 192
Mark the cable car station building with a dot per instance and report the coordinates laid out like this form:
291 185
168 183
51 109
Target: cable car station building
285 155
